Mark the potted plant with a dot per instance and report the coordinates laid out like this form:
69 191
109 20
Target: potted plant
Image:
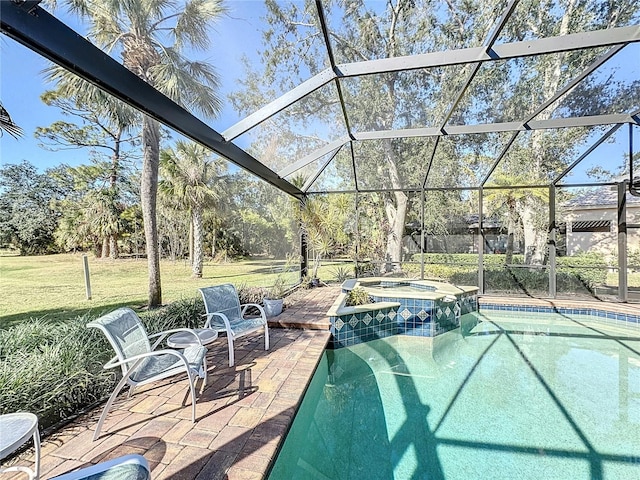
357 296
274 297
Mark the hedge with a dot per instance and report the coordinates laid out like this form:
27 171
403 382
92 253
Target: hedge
577 274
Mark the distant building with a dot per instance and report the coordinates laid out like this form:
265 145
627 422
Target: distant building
591 222
461 237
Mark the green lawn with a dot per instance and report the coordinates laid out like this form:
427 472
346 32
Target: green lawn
53 285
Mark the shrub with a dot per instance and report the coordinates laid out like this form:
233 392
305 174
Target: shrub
251 294
578 273
586 268
185 313
53 369
341 273
357 296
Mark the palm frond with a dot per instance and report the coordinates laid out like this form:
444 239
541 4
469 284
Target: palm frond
7 125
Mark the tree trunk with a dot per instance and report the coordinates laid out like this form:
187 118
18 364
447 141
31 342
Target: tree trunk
148 194
105 248
113 246
191 241
396 213
534 236
511 228
198 243
213 244
508 258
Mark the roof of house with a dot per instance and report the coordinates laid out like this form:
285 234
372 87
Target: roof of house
599 197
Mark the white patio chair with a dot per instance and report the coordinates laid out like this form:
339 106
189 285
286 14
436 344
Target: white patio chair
127 467
226 314
141 363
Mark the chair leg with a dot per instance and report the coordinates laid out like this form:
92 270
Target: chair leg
107 407
205 375
232 359
266 336
193 397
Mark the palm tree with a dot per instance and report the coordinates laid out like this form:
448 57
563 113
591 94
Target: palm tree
105 125
514 202
136 29
7 125
188 175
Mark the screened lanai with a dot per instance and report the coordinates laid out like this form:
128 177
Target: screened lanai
490 143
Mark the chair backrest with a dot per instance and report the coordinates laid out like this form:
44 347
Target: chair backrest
221 299
125 333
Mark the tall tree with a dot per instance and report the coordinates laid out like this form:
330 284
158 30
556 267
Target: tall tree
360 31
508 202
501 91
538 156
140 31
27 219
189 176
102 124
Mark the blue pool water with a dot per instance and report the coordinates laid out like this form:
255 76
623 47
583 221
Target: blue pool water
538 396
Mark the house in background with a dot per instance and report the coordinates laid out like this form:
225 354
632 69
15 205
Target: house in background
589 222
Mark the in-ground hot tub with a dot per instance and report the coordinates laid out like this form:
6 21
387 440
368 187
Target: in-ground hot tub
401 306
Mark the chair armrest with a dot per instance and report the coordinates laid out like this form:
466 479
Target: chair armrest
162 335
224 318
136 359
260 308
138 466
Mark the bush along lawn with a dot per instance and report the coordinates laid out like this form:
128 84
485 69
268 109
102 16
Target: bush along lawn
575 274
55 369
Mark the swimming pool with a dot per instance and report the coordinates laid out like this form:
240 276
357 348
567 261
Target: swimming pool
526 396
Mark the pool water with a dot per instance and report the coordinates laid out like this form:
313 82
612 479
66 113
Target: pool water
541 396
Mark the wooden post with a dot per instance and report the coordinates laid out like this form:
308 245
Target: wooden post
87 280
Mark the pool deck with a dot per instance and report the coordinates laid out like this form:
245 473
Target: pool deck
242 415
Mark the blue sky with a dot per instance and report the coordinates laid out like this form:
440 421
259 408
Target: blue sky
21 84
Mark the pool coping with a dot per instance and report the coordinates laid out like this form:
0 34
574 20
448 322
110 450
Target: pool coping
628 314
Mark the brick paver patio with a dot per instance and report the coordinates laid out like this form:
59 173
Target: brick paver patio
241 416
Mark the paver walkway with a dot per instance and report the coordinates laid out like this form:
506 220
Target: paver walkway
241 417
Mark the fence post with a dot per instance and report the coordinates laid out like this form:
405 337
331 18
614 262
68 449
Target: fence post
87 280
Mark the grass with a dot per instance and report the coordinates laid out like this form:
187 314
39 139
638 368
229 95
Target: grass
53 285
